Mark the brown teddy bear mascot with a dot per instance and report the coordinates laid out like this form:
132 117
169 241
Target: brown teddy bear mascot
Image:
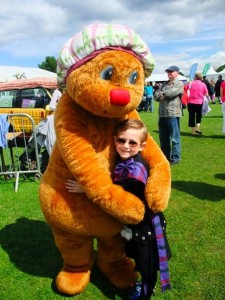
103 68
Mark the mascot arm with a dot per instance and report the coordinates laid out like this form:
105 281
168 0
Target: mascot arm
85 164
158 188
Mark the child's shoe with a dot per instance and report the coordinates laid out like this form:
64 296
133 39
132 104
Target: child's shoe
135 291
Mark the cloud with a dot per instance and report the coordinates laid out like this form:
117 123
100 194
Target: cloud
181 32
39 20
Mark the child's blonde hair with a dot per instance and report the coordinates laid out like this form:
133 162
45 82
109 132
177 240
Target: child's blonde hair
132 124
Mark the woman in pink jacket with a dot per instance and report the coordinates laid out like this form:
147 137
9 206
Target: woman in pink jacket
222 95
197 90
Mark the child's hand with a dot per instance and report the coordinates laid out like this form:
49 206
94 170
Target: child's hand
73 186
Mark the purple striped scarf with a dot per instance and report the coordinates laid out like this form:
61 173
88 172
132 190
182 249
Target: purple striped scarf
163 259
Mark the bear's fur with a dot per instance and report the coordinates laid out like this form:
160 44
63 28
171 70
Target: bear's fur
85 120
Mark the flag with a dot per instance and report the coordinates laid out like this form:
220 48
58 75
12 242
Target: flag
206 68
193 71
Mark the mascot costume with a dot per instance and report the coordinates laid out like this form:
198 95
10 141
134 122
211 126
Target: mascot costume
103 68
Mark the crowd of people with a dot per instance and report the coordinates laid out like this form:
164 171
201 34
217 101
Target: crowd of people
173 96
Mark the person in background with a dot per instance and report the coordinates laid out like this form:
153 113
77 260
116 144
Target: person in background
222 97
131 172
198 90
210 87
169 96
212 90
149 97
142 103
55 98
217 88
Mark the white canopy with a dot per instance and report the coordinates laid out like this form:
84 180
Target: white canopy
222 73
212 74
211 71
9 73
163 77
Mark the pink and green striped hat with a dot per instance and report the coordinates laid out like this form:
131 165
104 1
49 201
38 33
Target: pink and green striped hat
96 38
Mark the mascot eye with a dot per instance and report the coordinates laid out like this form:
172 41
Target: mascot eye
107 73
133 77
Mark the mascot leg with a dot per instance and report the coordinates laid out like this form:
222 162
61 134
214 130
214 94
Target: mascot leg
113 263
77 253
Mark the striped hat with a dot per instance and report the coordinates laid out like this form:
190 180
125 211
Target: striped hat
96 38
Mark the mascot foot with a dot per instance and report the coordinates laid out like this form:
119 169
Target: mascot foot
122 275
72 283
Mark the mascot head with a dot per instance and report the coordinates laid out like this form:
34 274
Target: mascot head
104 67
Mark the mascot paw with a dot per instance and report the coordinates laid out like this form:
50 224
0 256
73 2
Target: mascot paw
72 283
123 275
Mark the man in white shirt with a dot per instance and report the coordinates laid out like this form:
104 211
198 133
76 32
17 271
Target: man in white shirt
55 98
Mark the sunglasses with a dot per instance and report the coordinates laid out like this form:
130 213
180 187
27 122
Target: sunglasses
122 141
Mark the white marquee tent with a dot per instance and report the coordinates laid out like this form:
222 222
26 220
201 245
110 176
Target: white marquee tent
9 73
211 73
163 77
222 73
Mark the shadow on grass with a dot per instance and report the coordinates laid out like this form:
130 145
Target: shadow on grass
200 190
215 117
104 285
182 133
220 176
31 248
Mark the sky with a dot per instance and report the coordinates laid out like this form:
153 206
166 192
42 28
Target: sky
178 32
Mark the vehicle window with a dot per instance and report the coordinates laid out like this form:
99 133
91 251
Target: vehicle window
7 98
36 97
45 95
25 98
28 98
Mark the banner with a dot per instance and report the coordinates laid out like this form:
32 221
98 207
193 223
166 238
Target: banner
193 71
206 68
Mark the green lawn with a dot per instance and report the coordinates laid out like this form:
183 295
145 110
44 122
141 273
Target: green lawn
29 260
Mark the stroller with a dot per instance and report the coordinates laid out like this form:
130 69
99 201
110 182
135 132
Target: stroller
142 104
45 136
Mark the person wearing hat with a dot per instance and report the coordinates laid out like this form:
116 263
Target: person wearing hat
169 97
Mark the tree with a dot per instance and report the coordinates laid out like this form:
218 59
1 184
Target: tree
49 64
19 75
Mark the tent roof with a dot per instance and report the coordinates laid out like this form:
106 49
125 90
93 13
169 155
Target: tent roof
163 77
222 72
211 71
45 82
8 73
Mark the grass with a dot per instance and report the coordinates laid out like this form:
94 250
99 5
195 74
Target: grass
30 261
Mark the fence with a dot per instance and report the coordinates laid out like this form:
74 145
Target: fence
37 114
19 154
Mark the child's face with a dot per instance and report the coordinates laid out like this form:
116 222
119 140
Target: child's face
128 143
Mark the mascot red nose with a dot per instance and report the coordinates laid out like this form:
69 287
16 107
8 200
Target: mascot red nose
119 97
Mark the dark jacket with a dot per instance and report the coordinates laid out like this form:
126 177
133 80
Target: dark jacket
217 87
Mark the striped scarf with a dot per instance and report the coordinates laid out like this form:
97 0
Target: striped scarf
163 259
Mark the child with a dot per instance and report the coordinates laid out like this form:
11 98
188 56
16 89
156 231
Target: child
131 172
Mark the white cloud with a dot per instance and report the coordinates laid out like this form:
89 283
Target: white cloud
178 32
